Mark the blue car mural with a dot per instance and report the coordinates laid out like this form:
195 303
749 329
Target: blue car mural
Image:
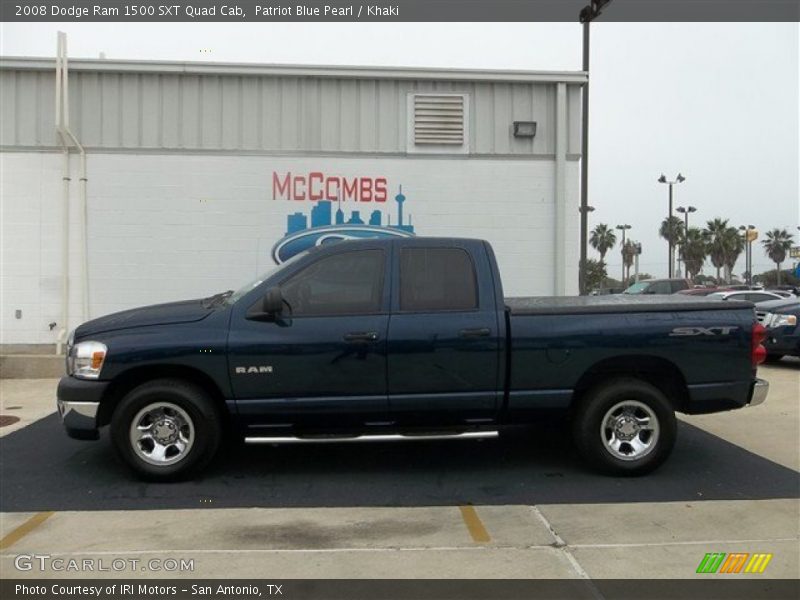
329 227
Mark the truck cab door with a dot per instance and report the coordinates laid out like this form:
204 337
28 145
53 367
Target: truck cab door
444 335
322 362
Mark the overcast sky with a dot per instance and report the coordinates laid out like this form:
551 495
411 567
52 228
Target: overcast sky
718 102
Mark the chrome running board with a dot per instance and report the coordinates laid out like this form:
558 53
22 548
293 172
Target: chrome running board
394 437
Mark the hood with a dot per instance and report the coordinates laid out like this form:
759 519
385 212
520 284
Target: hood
778 305
158 314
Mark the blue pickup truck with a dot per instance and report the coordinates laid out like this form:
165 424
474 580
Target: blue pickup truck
401 339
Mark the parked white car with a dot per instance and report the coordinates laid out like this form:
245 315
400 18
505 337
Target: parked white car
745 295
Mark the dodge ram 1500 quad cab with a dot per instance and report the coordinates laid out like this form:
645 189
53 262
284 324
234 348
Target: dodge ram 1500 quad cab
406 338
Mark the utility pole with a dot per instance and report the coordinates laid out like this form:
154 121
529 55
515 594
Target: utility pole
750 235
685 211
589 12
663 179
623 229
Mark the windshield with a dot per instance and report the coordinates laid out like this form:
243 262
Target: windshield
234 297
637 288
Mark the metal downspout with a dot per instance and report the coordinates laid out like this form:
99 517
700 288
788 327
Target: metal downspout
65 135
65 178
83 191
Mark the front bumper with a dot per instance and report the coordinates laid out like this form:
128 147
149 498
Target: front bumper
78 403
759 392
779 342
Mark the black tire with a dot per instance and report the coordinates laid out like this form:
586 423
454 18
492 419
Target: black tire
773 358
593 408
189 398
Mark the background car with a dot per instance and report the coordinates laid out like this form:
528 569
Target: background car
745 295
659 286
784 293
700 291
780 317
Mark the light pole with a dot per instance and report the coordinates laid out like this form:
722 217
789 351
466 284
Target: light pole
685 212
588 14
750 234
623 229
663 179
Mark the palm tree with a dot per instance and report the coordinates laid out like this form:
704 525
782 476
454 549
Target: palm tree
671 230
693 251
628 254
734 244
777 244
602 239
715 233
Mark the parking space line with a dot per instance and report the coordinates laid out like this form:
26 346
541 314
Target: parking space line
24 529
474 524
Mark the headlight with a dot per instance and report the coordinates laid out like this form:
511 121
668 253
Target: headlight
85 360
783 320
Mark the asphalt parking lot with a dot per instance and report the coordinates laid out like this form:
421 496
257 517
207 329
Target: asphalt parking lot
517 507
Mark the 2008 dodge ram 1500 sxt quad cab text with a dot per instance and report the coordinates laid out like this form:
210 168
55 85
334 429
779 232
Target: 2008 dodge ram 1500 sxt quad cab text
405 338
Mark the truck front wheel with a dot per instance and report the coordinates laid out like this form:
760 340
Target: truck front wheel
625 427
166 429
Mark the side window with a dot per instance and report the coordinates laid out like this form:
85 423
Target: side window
437 279
678 286
660 287
342 284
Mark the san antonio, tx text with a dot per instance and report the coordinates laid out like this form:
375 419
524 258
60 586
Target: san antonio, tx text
139 590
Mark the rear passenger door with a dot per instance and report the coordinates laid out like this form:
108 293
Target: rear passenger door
444 335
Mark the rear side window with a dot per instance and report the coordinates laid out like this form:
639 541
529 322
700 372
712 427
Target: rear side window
679 285
437 279
660 287
758 297
350 283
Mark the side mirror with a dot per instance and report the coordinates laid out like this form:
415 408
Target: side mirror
273 301
269 308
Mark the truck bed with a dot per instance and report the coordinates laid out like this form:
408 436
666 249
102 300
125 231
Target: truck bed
616 303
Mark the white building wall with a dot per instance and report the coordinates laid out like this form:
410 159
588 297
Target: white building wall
173 226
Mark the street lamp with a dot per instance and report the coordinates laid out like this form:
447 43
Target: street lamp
588 14
623 229
750 235
685 212
663 179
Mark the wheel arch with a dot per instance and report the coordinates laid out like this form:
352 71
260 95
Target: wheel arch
657 371
132 378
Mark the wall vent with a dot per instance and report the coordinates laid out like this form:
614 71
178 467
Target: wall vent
439 119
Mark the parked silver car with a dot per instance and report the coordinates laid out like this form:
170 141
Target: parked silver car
745 295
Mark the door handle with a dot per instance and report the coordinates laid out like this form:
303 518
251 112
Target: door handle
361 336
475 332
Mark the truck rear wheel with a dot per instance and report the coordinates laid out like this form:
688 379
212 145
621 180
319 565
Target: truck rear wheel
625 427
166 429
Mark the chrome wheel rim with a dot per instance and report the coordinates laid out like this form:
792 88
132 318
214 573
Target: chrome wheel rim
629 430
162 434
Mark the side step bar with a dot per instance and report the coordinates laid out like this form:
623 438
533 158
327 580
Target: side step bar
395 437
